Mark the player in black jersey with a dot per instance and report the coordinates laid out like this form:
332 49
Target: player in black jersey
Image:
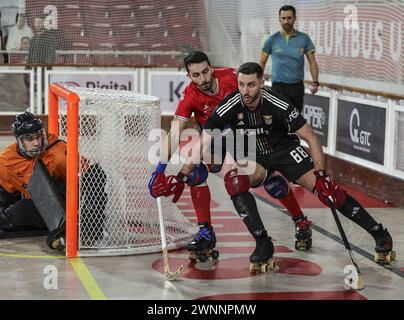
277 126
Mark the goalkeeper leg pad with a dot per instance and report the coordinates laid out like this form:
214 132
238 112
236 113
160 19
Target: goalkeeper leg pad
48 200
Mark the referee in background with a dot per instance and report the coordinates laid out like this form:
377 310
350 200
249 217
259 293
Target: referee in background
288 47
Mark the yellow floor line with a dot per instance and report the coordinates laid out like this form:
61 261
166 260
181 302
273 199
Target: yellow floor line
87 279
85 276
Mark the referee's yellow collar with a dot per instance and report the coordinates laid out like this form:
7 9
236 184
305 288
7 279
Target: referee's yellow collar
283 32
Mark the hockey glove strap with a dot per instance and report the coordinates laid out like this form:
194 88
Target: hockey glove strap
161 167
157 188
175 186
327 190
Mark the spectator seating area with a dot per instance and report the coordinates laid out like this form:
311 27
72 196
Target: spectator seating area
135 32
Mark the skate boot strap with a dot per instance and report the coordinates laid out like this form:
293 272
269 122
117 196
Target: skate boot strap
303 223
379 232
204 232
384 245
263 240
387 247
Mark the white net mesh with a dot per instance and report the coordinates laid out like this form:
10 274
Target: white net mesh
116 213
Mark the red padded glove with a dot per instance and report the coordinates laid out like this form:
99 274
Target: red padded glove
174 186
157 185
166 186
327 190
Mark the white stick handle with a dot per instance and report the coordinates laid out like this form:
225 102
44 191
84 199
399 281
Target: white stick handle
169 275
162 229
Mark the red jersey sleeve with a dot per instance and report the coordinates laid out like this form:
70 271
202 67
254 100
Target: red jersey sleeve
185 104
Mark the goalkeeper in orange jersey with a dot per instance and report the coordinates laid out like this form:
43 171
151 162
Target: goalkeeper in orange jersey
32 184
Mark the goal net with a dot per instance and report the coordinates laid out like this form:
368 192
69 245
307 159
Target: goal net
116 214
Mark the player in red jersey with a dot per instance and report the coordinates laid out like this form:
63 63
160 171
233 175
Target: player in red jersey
207 88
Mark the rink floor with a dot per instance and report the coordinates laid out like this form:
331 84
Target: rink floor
26 264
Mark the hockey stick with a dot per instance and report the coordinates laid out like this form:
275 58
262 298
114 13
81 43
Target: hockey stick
170 276
357 283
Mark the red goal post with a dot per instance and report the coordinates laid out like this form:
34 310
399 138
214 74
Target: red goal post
72 164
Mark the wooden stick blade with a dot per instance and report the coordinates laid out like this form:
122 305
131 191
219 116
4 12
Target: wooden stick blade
170 276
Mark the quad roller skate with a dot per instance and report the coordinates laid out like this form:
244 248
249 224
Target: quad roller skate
384 247
201 247
303 234
262 259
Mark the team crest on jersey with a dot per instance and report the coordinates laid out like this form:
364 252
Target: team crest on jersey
240 116
268 120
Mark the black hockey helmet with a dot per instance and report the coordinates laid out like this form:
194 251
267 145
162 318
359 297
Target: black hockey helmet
27 128
26 123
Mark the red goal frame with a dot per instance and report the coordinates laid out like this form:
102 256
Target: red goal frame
72 163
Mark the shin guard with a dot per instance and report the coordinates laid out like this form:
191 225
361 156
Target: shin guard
354 211
246 207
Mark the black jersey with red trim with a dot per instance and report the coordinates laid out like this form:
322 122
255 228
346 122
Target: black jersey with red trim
273 122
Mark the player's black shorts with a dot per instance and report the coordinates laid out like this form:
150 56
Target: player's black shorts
292 161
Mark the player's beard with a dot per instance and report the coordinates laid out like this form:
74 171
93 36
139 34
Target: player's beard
287 27
206 86
249 100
